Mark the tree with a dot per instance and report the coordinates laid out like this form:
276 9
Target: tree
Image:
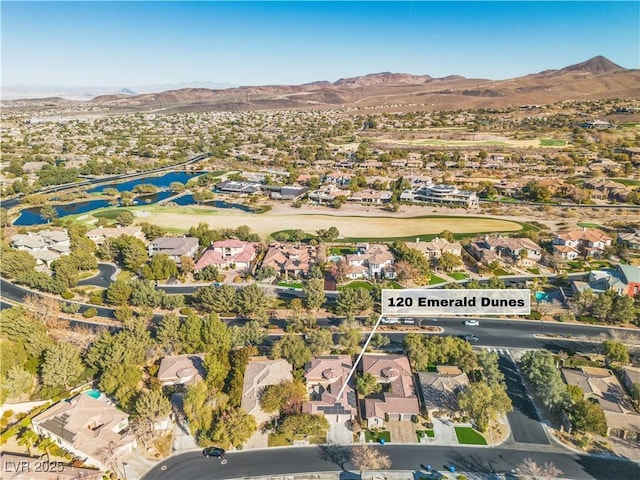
119 292
190 332
623 310
153 405
530 470
293 349
16 262
62 365
168 334
125 218
27 438
233 427
587 416
220 299
484 403
18 382
252 302
350 339
491 373
48 213
161 267
217 370
449 262
314 293
66 269
42 308
121 381
615 351
134 254
320 341
365 457
447 235
539 368
304 425
187 264
416 350
150 231
198 406
379 340
251 333
352 301
216 337
366 384
284 398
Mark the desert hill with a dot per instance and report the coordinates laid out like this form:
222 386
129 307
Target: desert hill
596 78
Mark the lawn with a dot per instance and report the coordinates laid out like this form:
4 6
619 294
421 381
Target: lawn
427 433
376 436
357 284
291 284
110 214
500 271
342 250
276 440
468 436
627 181
458 275
589 225
434 280
552 142
535 271
393 286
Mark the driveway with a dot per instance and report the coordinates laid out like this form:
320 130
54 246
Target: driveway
338 432
444 431
402 432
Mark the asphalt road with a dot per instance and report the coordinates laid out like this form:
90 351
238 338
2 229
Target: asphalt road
193 466
524 421
103 278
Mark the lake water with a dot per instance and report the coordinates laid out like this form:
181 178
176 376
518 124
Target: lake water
161 182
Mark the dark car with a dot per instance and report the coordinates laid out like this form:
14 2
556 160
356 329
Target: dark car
214 452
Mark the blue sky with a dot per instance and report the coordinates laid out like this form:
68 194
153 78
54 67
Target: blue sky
257 43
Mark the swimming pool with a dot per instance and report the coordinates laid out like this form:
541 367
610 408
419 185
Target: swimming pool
94 393
542 297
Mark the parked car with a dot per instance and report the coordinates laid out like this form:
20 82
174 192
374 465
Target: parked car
471 338
472 323
215 452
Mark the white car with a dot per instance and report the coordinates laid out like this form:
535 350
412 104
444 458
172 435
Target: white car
472 323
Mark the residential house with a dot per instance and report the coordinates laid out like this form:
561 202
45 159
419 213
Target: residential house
290 260
602 386
440 194
630 240
440 389
369 196
325 377
371 261
286 192
87 427
185 369
225 253
45 246
590 242
630 376
174 247
328 194
507 249
597 124
102 234
433 249
623 279
21 467
260 373
398 400
232 186
608 188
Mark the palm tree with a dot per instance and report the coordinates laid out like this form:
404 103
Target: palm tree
27 438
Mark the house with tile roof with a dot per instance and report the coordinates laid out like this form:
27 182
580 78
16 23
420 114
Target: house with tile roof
291 260
440 389
185 369
433 249
623 279
87 427
506 249
260 373
398 400
371 261
602 386
174 247
324 378
45 246
590 242
102 234
225 253
21 467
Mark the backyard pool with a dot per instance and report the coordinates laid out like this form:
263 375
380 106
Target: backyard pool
542 297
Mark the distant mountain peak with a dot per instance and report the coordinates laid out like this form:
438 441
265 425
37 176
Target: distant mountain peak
597 64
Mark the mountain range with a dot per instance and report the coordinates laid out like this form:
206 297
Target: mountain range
596 78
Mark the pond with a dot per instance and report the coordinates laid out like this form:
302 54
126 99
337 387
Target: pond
161 182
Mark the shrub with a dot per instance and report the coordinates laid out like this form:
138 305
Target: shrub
96 299
68 295
90 313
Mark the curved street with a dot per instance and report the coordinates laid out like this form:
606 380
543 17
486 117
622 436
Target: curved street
414 458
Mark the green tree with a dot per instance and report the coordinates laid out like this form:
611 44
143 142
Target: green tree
304 425
121 381
379 341
484 403
615 351
161 267
449 262
233 427
62 365
251 333
623 310
217 370
13 263
119 292
134 254
320 341
66 270
125 218
366 384
350 339
284 398
491 373
352 301
587 416
221 299
198 405
540 370
153 405
293 349
48 213
190 332
417 351
18 382
314 293
216 336
252 302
